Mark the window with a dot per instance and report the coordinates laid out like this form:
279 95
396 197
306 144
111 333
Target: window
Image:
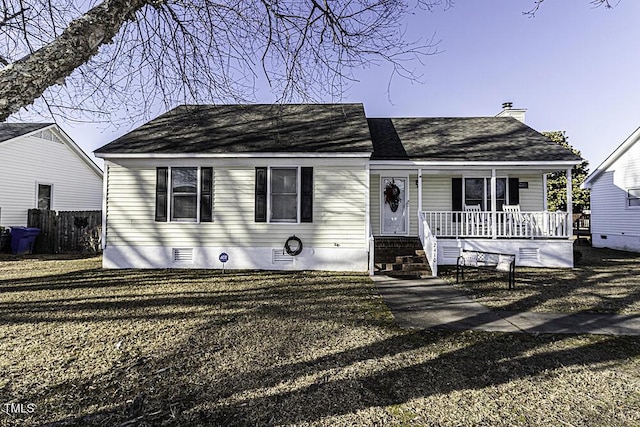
633 197
44 196
284 195
477 191
185 192
288 197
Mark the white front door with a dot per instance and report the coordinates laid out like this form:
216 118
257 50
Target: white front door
394 206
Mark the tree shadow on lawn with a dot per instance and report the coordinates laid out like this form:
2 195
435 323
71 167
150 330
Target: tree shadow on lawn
275 351
603 281
335 384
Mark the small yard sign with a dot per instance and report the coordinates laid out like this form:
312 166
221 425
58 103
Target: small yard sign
224 257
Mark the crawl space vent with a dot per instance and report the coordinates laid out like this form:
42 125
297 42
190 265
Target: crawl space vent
529 254
450 252
277 256
182 254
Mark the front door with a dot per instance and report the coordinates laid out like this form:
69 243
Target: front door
394 206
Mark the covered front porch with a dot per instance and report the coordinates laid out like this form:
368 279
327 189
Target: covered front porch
494 209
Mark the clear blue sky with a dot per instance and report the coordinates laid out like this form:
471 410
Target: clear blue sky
573 67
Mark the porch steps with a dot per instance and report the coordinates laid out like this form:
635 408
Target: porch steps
406 266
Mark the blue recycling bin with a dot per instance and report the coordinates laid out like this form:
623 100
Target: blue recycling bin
23 239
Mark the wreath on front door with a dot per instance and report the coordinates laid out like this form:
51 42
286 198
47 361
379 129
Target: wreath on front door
392 195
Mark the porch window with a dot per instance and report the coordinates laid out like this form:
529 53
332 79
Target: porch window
477 191
288 197
633 197
185 193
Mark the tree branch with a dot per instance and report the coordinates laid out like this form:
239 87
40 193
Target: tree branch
26 79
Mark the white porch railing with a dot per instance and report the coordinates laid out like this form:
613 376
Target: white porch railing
498 224
429 243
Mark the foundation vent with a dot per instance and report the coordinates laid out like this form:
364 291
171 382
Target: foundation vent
450 252
529 254
278 256
182 254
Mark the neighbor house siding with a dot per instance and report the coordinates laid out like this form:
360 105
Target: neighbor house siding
338 209
27 161
609 210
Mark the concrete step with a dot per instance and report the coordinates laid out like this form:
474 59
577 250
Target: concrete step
406 274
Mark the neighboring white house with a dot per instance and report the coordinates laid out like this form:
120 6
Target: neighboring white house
615 198
244 180
41 167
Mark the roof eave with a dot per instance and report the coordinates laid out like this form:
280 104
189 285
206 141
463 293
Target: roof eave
615 155
110 156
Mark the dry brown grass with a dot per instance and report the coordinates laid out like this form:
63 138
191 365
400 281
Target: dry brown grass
157 347
603 281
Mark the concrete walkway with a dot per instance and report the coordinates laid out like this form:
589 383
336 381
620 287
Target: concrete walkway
434 304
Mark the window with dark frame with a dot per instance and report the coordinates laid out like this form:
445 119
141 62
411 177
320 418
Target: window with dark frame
190 198
284 194
44 196
633 197
477 191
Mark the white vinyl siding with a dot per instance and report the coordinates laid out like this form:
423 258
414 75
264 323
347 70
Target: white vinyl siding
531 198
610 213
436 192
28 161
338 209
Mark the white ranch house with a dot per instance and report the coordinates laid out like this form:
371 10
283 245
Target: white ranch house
199 181
615 198
42 167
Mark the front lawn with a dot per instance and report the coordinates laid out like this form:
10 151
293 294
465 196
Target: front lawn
88 346
603 281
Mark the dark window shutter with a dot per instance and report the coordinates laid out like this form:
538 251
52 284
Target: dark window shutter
306 199
456 194
161 194
514 191
206 194
261 195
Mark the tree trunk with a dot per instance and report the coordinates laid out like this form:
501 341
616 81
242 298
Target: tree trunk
25 80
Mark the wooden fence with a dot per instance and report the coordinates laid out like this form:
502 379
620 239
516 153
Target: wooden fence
66 231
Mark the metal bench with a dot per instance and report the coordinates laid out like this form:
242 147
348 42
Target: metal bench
491 260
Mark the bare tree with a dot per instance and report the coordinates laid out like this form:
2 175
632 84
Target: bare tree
124 57
128 55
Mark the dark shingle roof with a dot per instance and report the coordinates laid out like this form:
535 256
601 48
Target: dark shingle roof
462 139
12 130
254 128
336 128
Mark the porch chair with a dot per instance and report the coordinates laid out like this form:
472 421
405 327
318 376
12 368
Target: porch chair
473 219
516 223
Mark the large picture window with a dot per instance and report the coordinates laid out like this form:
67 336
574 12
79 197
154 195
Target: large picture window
284 194
184 192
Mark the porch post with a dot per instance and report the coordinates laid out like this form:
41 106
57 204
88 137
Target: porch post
545 203
419 190
569 229
494 205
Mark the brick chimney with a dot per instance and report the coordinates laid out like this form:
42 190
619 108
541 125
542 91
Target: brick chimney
509 111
